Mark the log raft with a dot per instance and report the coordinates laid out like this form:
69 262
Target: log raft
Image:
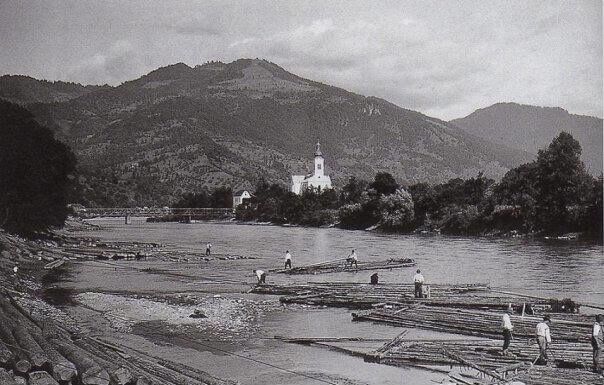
474 323
341 265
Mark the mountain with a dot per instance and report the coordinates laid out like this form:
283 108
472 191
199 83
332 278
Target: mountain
530 128
180 128
26 90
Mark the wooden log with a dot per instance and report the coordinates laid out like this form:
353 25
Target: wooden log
20 380
6 356
305 340
90 372
21 363
396 341
62 369
41 378
34 352
6 378
118 375
472 364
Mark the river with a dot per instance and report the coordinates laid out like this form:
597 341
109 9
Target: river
244 349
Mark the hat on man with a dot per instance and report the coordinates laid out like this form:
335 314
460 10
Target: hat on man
547 318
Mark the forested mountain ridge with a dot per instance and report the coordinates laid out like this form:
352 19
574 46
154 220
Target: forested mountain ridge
26 90
180 128
531 128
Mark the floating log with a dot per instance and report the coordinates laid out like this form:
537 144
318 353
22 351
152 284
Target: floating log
309 340
471 364
54 264
341 265
543 375
41 378
90 372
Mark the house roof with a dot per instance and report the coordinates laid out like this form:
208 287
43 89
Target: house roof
240 192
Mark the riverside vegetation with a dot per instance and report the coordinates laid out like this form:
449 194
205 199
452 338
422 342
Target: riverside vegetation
552 195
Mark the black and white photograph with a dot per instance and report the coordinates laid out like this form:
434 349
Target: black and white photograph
301 192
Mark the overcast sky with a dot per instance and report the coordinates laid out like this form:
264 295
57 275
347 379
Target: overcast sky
443 58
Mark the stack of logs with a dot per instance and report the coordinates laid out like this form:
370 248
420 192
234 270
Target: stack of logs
38 352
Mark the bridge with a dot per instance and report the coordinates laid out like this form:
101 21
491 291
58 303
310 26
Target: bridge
155 212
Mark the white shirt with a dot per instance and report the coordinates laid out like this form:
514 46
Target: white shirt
597 330
543 331
506 323
353 255
288 256
259 273
418 278
15 269
209 246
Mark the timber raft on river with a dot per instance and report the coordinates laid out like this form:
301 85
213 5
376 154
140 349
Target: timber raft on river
340 265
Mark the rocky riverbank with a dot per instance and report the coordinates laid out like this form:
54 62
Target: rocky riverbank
41 344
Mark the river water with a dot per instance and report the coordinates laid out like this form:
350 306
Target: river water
544 268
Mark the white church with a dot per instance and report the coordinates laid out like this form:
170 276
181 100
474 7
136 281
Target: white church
317 180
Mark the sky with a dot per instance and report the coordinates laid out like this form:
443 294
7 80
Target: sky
443 58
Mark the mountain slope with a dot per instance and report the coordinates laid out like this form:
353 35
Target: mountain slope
179 128
531 128
26 90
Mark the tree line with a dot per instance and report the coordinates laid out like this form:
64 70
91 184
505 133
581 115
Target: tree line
552 195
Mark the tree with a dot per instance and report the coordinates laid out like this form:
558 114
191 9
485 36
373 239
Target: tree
518 189
396 211
351 192
562 182
222 197
384 183
36 173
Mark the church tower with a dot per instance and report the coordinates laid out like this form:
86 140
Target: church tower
319 161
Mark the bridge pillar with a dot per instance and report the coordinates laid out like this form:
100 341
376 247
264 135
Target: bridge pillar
127 219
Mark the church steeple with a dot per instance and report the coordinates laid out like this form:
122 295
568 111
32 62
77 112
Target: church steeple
319 162
318 150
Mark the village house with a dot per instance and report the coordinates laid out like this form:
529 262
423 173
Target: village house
317 179
239 196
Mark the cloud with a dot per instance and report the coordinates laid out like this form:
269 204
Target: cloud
440 58
119 62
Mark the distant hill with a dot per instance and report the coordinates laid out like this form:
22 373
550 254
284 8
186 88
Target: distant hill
531 128
26 90
178 129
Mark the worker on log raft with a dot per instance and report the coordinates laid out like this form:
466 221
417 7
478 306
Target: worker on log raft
597 341
352 259
288 259
507 327
261 275
418 280
543 338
